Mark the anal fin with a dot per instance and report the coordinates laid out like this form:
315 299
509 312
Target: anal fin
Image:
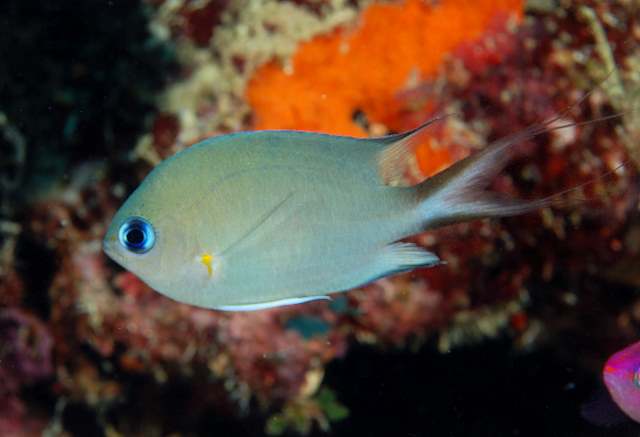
402 257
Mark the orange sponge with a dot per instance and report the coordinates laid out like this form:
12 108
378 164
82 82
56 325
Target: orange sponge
362 69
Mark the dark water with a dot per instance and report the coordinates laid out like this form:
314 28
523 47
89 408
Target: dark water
484 391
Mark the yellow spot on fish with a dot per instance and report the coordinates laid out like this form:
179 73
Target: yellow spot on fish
207 260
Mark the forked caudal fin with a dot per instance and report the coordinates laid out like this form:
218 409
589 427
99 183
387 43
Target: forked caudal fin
459 193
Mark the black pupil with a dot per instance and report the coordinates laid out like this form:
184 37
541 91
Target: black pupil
135 236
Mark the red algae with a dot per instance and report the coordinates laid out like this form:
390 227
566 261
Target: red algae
200 19
363 69
165 130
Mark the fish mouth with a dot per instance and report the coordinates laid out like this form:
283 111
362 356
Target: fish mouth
109 248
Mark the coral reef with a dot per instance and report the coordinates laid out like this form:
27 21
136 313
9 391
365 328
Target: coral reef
101 341
26 359
222 53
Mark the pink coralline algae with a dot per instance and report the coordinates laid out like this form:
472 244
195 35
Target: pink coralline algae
25 358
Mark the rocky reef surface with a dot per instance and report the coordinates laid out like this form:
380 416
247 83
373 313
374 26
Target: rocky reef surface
92 97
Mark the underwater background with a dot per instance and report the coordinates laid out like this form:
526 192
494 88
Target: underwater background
508 338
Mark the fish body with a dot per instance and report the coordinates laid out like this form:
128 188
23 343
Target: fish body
260 219
621 375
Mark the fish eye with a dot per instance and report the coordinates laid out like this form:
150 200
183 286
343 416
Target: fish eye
137 235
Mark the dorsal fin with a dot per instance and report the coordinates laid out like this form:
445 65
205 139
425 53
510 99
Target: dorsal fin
395 157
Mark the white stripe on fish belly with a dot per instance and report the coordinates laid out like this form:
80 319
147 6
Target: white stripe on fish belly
272 304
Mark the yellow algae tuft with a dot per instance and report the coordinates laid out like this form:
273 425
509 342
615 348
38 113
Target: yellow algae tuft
362 69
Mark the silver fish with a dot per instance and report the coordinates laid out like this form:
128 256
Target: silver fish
255 220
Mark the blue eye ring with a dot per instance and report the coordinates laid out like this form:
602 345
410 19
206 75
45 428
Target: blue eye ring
137 235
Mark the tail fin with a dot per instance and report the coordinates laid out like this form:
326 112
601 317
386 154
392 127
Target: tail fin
458 193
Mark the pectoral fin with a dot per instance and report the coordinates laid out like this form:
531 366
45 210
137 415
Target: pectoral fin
259 222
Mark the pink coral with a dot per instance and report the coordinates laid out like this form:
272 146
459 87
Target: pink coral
25 358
